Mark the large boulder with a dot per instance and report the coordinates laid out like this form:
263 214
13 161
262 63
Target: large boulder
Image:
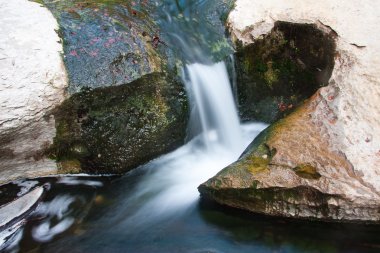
322 161
115 129
32 82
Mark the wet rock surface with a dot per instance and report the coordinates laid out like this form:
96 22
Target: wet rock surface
322 160
301 177
19 207
114 129
108 43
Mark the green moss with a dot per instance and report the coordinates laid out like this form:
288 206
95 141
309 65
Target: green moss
307 171
255 183
253 164
229 6
271 75
69 167
220 46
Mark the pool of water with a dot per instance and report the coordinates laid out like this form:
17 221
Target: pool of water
101 225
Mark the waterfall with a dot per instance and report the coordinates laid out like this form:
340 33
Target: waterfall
213 105
169 185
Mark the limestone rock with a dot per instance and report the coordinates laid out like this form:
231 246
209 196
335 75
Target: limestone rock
323 160
32 82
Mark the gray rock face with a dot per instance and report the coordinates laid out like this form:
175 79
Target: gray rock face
322 161
110 43
32 82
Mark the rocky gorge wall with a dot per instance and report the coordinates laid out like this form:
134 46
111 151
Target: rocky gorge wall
322 160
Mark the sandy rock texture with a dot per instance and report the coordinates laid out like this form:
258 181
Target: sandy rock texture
323 160
32 82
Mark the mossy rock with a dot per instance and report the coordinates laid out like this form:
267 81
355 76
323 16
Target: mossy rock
115 129
278 72
249 183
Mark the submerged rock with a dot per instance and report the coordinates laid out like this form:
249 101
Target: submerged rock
322 160
114 129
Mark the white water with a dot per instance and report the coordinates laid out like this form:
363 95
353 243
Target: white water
169 187
214 105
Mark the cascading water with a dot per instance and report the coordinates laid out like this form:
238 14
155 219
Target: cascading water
214 105
216 138
169 186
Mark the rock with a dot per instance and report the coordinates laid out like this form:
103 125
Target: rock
195 30
32 82
108 43
322 161
115 129
126 44
19 207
